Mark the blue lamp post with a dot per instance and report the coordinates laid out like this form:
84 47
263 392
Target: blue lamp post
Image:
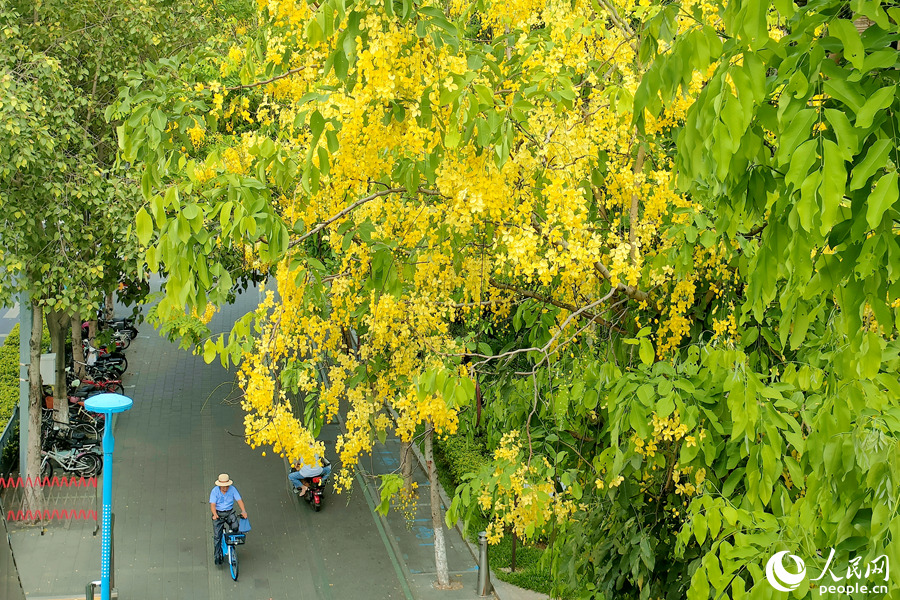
107 404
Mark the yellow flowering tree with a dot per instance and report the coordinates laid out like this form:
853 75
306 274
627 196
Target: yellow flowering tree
445 194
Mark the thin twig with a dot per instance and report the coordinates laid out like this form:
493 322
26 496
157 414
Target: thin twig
259 83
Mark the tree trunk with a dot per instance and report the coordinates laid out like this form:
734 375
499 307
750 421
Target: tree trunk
406 465
33 498
92 330
56 322
478 403
77 347
440 549
110 310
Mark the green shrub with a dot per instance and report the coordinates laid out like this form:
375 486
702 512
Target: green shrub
9 375
461 456
9 386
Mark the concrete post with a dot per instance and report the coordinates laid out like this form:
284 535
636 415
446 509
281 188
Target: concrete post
484 587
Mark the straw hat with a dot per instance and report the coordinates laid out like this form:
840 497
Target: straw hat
224 480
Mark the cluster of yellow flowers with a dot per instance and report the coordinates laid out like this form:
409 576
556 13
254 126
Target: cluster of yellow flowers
207 315
235 56
523 498
406 501
726 326
533 219
687 487
236 160
665 429
677 326
197 135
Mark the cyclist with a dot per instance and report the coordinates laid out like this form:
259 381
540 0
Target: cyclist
221 504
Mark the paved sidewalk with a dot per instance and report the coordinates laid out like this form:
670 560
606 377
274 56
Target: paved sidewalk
185 428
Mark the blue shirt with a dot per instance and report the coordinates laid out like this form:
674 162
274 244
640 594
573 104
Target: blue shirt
224 501
309 470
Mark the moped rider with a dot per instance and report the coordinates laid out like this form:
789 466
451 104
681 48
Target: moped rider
301 470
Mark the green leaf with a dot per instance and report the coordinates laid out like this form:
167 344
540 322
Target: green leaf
316 125
171 197
874 160
191 211
847 138
699 527
314 33
646 352
882 198
834 181
143 226
485 96
876 104
665 406
209 351
798 130
843 91
159 119
146 184
848 35
577 492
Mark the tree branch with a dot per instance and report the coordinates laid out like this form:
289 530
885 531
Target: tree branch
352 207
547 300
259 83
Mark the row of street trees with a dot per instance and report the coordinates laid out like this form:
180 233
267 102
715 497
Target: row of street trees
659 236
68 203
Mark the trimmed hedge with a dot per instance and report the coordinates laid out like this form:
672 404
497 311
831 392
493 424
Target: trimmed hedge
9 388
9 375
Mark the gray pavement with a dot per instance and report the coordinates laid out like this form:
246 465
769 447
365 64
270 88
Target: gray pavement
185 428
8 319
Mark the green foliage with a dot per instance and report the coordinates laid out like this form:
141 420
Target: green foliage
391 484
457 459
461 456
9 375
789 160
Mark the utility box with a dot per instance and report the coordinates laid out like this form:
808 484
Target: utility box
48 368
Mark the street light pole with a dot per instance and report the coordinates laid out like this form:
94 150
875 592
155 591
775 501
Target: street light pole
107 404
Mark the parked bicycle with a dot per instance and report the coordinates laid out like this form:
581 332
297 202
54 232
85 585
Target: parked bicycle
82 460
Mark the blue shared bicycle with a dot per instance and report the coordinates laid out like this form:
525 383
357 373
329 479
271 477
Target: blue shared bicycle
231 539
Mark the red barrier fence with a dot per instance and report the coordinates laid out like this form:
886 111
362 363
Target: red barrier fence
74 498
55 482
48 515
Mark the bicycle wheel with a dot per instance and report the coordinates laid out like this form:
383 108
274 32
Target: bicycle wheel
88 464
87 429
233 563
115 388
123 341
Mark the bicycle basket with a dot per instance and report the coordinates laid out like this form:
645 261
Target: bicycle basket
235 539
